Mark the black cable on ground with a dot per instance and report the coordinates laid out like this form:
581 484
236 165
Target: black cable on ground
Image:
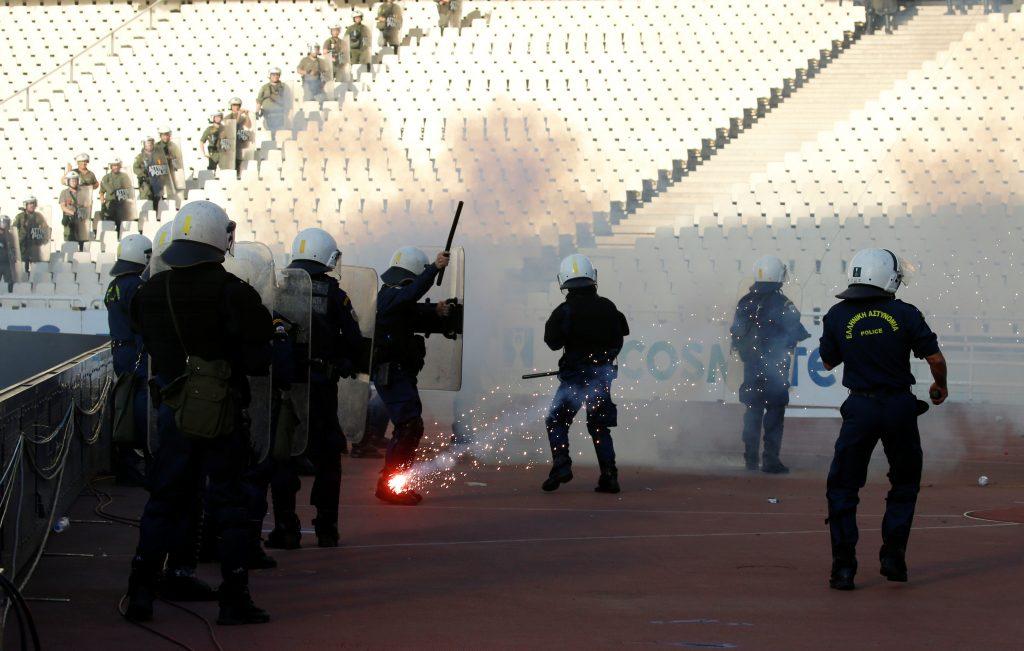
168 638
104 499
22 614
209 626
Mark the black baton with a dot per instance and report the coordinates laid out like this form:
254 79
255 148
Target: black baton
451 236
530 376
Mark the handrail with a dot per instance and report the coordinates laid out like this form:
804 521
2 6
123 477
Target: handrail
70 63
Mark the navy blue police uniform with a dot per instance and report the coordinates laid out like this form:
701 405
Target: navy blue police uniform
336 349
765 330
128 355
873 334
399 356
590 329
220 318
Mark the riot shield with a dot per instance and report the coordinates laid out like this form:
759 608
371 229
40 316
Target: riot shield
126 206
80 228
228 142
361 285
442 370
254 263
292 301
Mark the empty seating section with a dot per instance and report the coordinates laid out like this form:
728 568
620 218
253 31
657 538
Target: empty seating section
36 37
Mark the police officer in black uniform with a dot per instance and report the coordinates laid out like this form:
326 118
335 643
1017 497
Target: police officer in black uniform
125 345
400 352
335 347
206 329
873 333
590 329
765 330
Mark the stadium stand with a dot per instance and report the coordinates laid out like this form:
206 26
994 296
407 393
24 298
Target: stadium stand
561 132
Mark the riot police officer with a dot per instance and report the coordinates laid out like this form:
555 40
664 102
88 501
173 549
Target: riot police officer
272 102
765 330
335 347
116 195
589 329
360 43
873 334
205 331
125 345
210 140
389 22
399 355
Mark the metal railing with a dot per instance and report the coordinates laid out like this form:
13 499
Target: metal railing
110 38
53 437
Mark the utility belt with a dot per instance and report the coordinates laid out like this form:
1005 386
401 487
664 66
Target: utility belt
883 392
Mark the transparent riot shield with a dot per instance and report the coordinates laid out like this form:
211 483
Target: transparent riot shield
361 285
442 370
126 198
228 142
83 214
292 302
254 263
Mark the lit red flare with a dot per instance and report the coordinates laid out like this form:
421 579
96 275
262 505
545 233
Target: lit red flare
399 483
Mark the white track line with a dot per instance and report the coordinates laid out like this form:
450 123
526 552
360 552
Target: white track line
664 536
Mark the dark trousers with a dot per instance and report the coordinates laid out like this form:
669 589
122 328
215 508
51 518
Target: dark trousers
589 386
765 392
324 448
176 491
7 273
402 400
892 419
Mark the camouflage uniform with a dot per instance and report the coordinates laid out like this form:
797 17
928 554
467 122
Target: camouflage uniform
211 138
116 195
243 134
389 22
360 42
312 84
449 13
272 101
74 217
33 235
337 48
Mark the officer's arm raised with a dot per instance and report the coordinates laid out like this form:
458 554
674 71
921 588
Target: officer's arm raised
938 391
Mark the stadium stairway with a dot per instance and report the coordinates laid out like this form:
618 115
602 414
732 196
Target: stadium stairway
870 66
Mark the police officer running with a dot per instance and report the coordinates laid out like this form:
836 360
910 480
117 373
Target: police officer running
126 347
589 329
873 333
399 356
205 331
765 330
334 351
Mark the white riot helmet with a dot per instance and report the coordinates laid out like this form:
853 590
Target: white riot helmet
162 239
275 71
202 232
576 271
769 269
406 263
82 158
234 101
133 253
116 161
873 272
164 130
71 176
317 246
215 115
29 200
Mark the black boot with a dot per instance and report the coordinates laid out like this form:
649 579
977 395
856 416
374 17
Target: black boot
182 584
608 482
774 467
236 607
284 538
893 564
843 572
141 591
561 473
258 558
326 531
385 493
